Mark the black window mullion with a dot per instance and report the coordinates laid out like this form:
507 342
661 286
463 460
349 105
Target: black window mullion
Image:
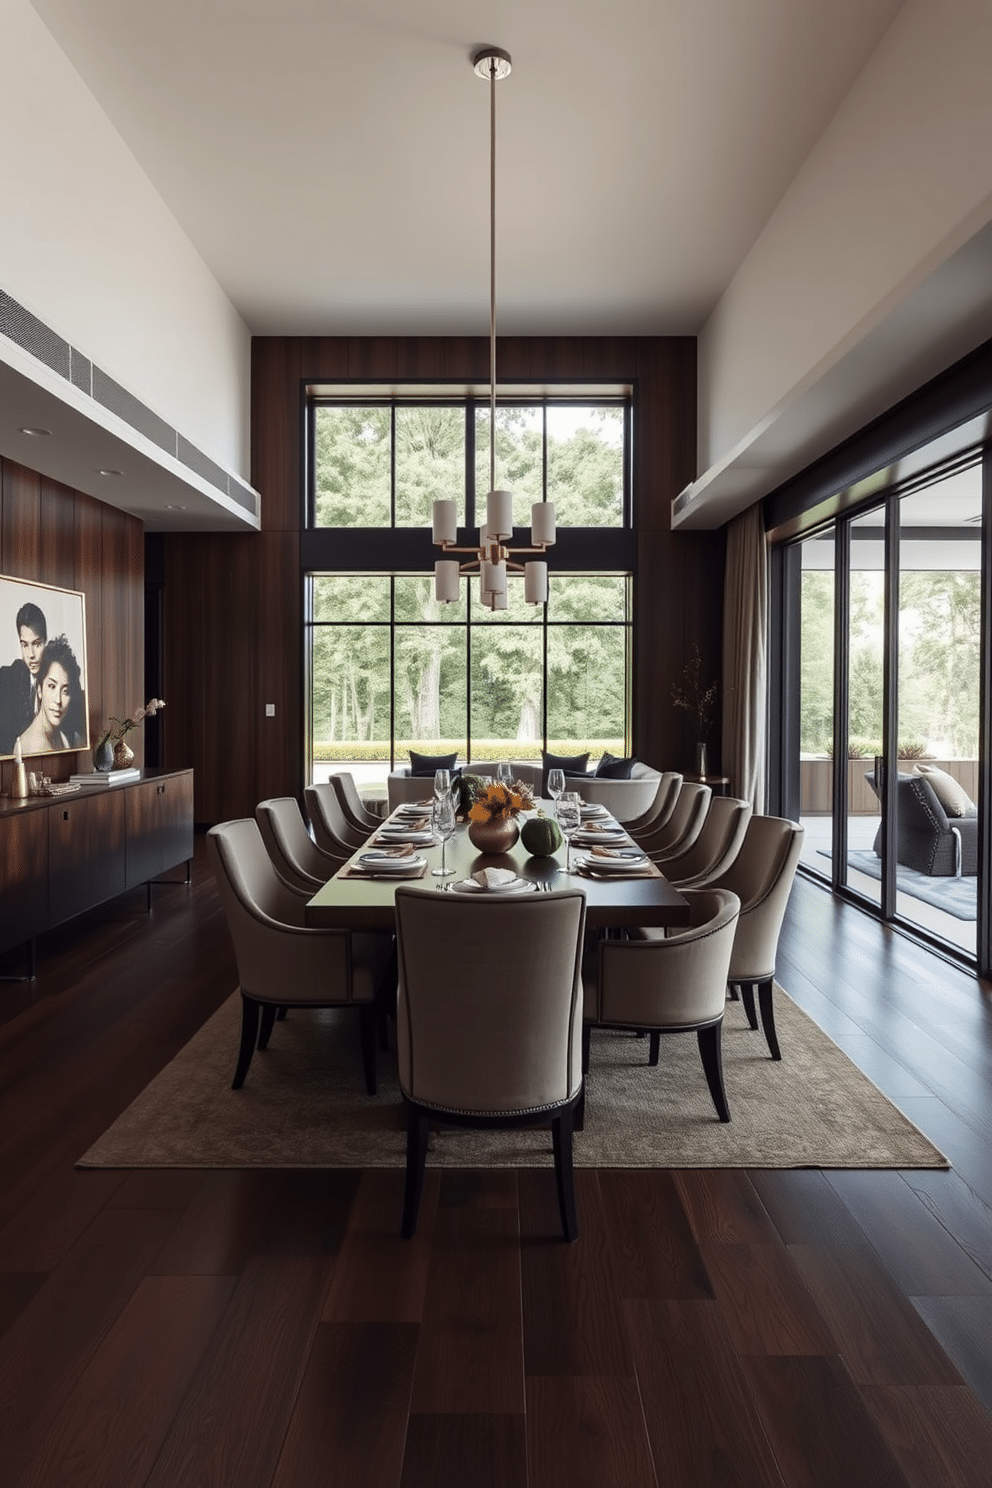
984 926
890 709
842 662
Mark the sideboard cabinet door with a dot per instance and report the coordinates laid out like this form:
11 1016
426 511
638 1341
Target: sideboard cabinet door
85 853
159 817
23 877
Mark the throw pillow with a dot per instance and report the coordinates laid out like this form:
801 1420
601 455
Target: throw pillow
952 796
426 764
614 767
574 765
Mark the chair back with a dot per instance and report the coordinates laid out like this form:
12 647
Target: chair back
761 875
684 824
489 1012
295 856
661 807
333 833
677 982
715 848
352 807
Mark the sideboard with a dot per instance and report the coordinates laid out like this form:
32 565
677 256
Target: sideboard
61 855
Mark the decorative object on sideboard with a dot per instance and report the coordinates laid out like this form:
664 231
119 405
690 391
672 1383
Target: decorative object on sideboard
699 701
491 559
115 735
19 779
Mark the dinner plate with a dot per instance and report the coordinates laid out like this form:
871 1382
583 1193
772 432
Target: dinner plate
517 886
615 865
607 834
406 834
593 812
390 867
415 808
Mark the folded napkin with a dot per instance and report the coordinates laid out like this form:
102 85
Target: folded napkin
610 828
407 822
403 850
492 878
616 854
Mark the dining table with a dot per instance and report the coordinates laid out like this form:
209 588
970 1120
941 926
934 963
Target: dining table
357 901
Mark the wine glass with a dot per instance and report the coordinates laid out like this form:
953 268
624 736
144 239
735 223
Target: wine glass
444 825
556 783
442 783
568 810
504 773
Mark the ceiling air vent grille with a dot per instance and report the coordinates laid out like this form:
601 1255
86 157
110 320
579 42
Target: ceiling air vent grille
32 335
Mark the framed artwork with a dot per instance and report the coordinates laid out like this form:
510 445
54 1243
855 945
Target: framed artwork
43 683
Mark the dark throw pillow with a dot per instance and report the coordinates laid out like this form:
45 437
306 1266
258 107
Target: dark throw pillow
614 767
426 764
574 766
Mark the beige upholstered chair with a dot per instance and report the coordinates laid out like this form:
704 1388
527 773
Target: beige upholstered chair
281 962
489 1021
661 807
685 823
295 856
714 849
332 831
352 807
675 985
761 876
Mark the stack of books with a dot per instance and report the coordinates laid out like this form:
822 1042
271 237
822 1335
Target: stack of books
109 777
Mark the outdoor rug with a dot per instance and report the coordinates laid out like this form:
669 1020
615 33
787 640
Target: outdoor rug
956 896
304 1105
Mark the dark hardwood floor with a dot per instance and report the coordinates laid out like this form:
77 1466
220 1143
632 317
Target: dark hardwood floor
259 1328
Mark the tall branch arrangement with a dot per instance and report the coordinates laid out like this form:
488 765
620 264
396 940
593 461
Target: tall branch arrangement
695 698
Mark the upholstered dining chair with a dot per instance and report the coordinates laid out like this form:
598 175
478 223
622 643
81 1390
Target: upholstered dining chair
332 831
352 807
297 859
674 985
685 823
490 1021
283 963
661 807
761 875
714 849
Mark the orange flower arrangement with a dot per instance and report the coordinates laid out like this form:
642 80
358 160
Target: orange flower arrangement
500 802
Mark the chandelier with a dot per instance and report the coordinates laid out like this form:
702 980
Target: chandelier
491 558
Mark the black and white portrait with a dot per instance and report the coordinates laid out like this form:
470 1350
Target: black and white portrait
42 669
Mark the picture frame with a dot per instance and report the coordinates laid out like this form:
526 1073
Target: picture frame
43 685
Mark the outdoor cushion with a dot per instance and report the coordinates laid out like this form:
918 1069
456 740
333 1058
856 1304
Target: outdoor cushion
949 792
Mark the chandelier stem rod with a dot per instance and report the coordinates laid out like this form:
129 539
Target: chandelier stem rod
492 273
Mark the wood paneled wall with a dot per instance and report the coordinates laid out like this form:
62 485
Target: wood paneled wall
55 535
233 604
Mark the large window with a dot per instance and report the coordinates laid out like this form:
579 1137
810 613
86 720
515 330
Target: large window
389 668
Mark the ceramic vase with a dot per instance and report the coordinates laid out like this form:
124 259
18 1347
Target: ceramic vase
123 755
493 836
103 757
701 761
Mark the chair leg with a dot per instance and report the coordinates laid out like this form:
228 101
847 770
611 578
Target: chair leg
250 1012
268 1022
586 1037
417 1133
561 1138
710 1051
281 1014
368 1027
747 998
579 1119
768 1016
654 1048
732 992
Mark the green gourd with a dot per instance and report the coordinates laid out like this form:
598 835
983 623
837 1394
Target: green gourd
541 836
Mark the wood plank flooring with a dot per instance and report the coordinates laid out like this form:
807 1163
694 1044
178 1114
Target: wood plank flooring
270 1329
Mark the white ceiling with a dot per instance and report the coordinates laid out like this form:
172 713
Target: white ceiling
329 158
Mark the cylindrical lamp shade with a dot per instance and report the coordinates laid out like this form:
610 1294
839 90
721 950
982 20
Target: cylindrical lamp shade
444 522
493 578
446 586
542 522
536 583
499 601
499 513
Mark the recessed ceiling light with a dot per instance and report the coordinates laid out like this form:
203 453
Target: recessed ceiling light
36 433
169 506
110 472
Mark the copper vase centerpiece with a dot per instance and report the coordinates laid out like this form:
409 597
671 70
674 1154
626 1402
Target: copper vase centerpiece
492 817
496 836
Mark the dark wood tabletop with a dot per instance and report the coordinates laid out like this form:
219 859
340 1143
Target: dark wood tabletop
367 903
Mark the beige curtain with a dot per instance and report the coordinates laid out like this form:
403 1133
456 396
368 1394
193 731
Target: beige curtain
745 621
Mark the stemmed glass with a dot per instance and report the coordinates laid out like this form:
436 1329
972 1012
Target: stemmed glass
568 810
556 783
504 773
444 826
442 783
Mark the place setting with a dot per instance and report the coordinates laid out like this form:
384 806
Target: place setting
612 862
493 881
386 862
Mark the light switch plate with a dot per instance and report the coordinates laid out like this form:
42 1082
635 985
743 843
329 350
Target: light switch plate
270 710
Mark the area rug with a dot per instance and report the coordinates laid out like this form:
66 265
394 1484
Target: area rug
304 1105
956 896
